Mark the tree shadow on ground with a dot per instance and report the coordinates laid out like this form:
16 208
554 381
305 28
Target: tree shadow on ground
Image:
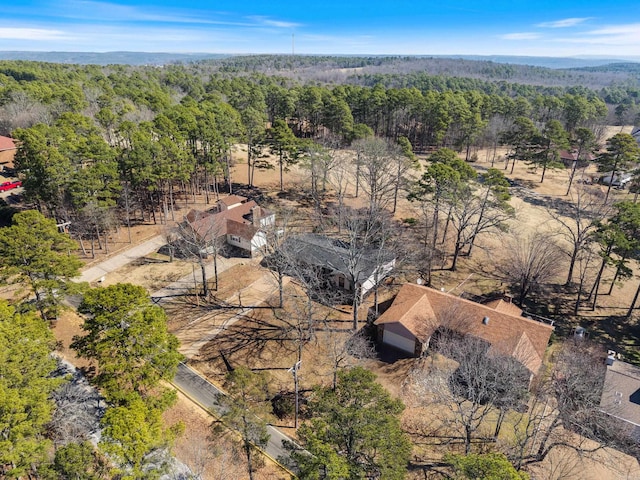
249 339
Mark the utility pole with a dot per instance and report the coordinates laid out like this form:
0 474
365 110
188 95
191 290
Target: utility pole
294 370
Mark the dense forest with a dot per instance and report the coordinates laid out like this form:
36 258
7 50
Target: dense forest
102 148
121 135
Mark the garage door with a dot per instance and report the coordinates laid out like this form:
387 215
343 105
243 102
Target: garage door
398 341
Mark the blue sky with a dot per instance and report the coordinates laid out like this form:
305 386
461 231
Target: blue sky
515 27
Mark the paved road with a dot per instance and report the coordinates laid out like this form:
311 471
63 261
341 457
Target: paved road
187 380
111 264
207 395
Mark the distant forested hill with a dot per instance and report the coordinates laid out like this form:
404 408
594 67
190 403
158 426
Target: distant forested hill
630 68
336 69
108 58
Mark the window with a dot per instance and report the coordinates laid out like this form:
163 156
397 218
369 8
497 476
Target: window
235 238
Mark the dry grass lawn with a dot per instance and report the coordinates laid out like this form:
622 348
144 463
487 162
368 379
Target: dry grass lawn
262 340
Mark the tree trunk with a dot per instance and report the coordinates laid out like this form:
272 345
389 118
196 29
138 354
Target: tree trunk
456 253
501 415
578 298
594 290
281 173
173 215
249 163
127 209
205 287
446 224
247 447
573 172
355 305
84 251
357 175
613 175
215 268
476 230
228 164
467 440
206 186
572 263
633 303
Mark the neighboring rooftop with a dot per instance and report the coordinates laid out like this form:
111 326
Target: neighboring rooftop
337 255
234 216
621 392
7 143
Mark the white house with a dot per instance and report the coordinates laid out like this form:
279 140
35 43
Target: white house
240 222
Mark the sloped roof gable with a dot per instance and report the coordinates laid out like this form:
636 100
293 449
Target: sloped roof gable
235 221
422 310
7 143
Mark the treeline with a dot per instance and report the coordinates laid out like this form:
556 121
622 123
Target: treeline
313 67
107 146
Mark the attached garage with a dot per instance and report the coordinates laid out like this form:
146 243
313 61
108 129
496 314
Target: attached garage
398 341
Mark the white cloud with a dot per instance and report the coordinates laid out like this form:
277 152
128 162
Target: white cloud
266 21
36 34
520 36
564 23
627 35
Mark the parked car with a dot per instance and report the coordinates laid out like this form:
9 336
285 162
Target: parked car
10 185
620 180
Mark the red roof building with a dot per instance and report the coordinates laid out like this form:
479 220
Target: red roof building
417 312
239 221
7 152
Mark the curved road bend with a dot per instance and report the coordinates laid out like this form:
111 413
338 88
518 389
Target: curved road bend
204 393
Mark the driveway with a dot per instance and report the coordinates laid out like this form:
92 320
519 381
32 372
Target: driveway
187 380
93 274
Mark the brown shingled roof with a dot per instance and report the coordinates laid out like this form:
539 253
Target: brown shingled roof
421 310
232 200
7 143
235 221
504 307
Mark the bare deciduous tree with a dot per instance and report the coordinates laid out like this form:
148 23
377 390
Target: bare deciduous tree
529 263
565 409
198 239
475 382
377 172
344 349
576 220
78 410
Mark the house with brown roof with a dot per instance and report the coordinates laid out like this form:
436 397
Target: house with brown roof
417 312
568 157
239 222
8 150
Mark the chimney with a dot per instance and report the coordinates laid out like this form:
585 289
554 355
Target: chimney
255 216
485 321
